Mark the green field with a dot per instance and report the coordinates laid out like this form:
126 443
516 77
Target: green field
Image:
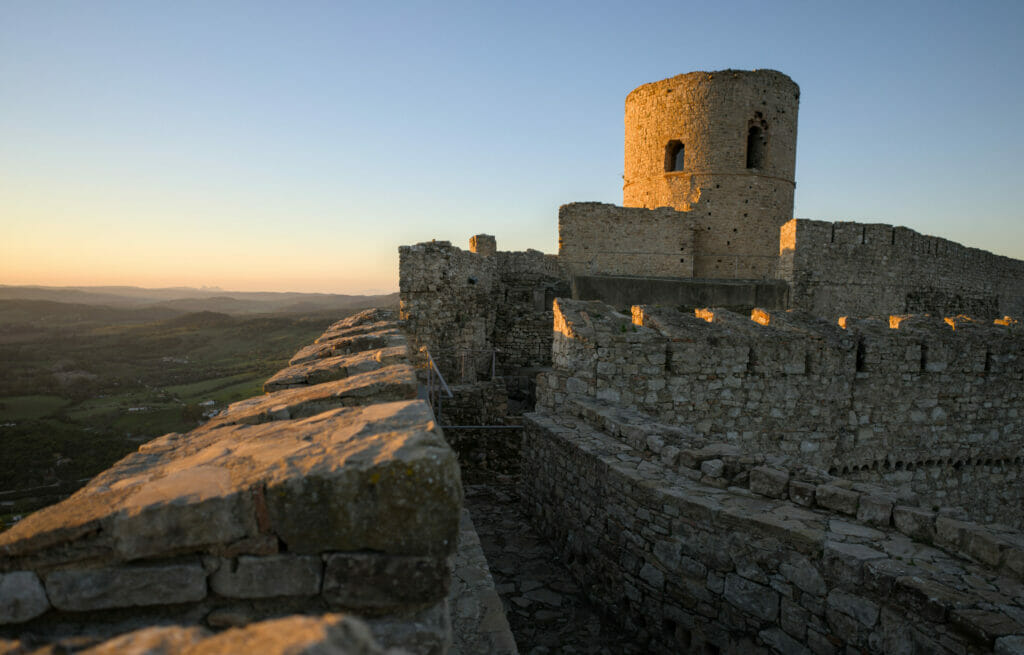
79 392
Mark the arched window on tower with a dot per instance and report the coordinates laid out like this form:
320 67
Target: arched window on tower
674 155
757 143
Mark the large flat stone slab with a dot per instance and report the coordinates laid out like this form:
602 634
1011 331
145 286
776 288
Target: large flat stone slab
346 345
21 597
395 382
330 634
126 586
335 368
378 478
336 332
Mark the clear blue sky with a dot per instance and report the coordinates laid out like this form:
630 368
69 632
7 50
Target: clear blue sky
295 145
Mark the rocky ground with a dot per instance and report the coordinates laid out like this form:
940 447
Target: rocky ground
546 609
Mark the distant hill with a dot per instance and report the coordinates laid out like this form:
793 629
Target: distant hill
200 320
178 300
47 313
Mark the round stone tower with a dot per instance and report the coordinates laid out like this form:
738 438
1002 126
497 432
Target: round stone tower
721 146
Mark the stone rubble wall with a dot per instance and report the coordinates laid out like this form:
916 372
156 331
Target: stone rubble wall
867 269
689 565
337 495
920 406
494 445
462 306
601 239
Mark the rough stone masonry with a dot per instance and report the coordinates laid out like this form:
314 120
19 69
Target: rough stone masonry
333 492
766 434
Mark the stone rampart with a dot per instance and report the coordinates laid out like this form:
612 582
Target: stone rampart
336 494
600 239
477 313
737 295
919 406
687 565
862 269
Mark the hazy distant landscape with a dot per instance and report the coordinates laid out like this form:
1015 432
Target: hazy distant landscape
89 373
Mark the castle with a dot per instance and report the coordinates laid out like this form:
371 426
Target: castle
743 432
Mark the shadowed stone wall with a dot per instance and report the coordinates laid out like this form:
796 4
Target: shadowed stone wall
464 305
920 405
690 566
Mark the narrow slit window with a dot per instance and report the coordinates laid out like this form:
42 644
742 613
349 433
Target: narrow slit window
674 156
755 147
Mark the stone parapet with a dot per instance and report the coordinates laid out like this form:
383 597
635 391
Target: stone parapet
868 402
341 495
861 269
686 564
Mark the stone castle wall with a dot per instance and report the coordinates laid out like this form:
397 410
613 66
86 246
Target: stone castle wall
476 311
862 269
336 491
600 239
737 210
690 565
922 407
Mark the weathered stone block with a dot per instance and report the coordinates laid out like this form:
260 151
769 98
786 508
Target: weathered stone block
390 483
837 498
985 625
983 545
376 581
875 510
652 576
856 607
751 597
390 383
1010 645
769 481
951 532
266 577
928 598
713 468
327 634
803 574
157 640
845 562
802 493
79 590
915 522
782 642
21 597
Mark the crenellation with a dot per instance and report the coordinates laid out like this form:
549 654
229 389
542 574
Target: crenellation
837 268
867 399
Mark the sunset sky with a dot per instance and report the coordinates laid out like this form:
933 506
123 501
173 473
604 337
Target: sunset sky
295 145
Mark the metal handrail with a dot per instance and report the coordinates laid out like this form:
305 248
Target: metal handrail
444 385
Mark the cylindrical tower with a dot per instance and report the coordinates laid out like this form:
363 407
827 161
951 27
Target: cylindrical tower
721 146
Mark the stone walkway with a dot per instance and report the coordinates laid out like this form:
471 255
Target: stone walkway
545 608
478 618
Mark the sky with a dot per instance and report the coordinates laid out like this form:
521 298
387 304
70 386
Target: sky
293 146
